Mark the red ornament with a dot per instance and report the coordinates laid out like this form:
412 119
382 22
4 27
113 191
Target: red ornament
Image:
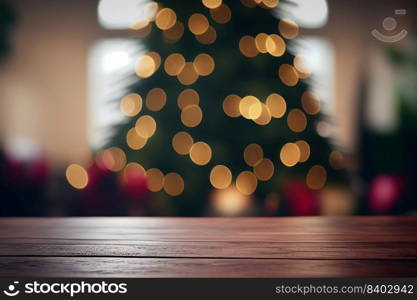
301 201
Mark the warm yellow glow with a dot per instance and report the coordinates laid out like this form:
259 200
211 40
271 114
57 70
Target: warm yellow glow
276 105
145 66
154 179
288 28
222 14
173 184
212 3
208 37
200 153
220 177
165 19
250 107
304 150
156 99
131 104
188 97
316 177
133 167
264 170
260 42
310 103
174 64
231 105
204 64
253 154
198 24
135 141
264 117
246 182
156 58
230 202
174 33
296 120
140 24
113 159
77 176
302 67
145 126
247 46
275 45
188 75
290 154
182 142
288 75
191 115
336 160
270 3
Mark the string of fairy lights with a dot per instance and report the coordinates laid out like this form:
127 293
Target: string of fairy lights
234 106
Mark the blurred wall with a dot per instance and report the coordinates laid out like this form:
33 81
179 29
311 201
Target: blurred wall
43 94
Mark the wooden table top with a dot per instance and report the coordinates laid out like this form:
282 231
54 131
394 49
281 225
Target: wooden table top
209 247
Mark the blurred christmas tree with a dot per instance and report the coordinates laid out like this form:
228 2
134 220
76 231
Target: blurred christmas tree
220 112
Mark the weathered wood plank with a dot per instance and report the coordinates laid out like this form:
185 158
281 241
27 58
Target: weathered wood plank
154 267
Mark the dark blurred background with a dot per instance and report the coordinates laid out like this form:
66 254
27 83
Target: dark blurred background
64 62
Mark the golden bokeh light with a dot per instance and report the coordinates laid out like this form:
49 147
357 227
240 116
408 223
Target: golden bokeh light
212 3
260 42
145 66
188 75
208 37
230 202
302 67
247 46
275 45
165 18
131 104
270 3
246 183
290 154
182 142
336 160
231 105
220 177
253 154
135 141
191 115
154 179
174 64
204 64
173 184
288 29
200 153
139 25
296 120
133 167
145 126
151 9
288 75
277 105
113 159
174 33
304 150
156 58
316 177
76 176
188 97
264 117
144 31
264 170
198 24
310 103
156 99
250 107
221 14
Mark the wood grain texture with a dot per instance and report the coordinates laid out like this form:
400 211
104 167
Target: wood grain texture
209 247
